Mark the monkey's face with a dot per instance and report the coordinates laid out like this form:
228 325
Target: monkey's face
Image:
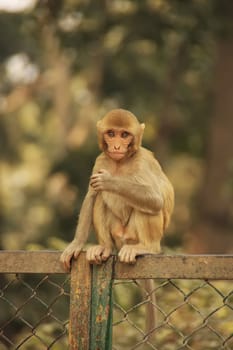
117 142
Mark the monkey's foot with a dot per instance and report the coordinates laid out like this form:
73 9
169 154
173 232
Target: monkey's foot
98 254
128 253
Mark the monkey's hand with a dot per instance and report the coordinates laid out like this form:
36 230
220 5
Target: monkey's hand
100 180
71 251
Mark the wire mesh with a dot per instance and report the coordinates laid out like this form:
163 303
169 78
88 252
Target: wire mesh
34 311
191 314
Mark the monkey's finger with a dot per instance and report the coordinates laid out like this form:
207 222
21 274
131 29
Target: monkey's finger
93 186
76 253
89 254
98 254
132 257
94 182
67 264
95 176
97 186
106 253
65 259
127 255
123 255
94 255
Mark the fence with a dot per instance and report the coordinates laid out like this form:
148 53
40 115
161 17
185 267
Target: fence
43 307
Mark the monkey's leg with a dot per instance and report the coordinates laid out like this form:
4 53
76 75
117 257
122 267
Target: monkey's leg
150 231
142 236
99 253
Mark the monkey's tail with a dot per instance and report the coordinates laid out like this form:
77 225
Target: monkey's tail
151 309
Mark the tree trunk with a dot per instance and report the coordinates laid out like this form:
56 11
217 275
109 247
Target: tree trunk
214 230
168 123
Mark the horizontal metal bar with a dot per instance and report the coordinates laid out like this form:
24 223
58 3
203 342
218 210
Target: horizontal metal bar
147 266
178 266
21 261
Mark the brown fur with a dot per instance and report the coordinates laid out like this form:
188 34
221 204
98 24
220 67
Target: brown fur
129 200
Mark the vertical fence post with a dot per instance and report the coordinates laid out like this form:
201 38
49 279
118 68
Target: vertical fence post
91 305
101 307
80 301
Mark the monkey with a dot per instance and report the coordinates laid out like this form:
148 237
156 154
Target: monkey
129 199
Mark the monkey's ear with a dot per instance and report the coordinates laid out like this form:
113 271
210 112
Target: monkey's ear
98 124
138 136
142 126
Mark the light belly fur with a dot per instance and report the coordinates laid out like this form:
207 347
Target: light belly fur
118 207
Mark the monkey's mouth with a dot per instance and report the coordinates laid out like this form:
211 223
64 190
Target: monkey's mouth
116 154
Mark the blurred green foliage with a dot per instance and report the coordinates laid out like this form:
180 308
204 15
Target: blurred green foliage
63 65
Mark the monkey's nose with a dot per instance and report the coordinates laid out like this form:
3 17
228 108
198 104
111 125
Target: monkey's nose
116 147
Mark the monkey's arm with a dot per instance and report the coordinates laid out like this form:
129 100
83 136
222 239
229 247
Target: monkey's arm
142 196
82 230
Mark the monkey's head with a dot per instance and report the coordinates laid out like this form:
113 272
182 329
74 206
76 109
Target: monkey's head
119 134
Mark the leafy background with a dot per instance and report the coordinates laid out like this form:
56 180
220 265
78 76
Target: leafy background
64 64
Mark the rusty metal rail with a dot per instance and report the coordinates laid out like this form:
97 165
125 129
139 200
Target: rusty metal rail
195 310
148 266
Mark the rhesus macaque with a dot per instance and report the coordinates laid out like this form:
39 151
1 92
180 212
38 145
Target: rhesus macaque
129 200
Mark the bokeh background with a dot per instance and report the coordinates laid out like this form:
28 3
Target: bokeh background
65 63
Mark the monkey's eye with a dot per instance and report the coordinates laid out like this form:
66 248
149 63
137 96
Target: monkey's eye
125 134
110 133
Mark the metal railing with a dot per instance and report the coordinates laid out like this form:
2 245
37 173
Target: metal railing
44 307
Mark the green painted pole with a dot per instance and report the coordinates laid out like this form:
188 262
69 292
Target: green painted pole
101 307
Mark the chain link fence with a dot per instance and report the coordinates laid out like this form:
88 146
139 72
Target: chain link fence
34 311
192 314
